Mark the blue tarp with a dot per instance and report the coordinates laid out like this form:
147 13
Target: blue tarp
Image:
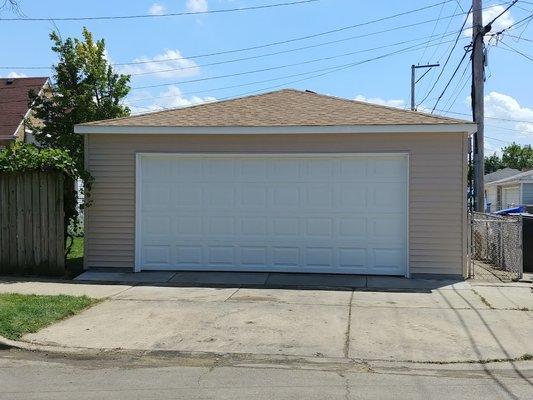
513 210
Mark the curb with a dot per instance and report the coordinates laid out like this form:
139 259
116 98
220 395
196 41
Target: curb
16 344
273 358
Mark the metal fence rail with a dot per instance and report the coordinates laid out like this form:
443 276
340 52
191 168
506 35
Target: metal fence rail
496 246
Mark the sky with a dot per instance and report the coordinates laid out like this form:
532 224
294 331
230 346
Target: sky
330 46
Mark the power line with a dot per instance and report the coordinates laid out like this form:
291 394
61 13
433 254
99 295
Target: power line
250 71
283 66
461 83
520 38
322 71
495 118
179 14
513 26
275 53
453 47
450 80
447 59
329 70
433 31
457 5
493 126
300 38
460 6
432 70
503 12
248 48
287 41
512 49
499 140
266 80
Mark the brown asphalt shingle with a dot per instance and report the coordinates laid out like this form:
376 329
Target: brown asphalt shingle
287 107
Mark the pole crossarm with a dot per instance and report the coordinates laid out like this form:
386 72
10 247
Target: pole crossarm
414 81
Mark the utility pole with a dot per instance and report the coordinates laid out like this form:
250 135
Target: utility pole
478 104
413 82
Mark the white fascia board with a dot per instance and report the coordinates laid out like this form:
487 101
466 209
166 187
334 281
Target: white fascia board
26 115
513 180
251 130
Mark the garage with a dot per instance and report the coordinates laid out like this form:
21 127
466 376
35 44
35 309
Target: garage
284 181
510 196
342 213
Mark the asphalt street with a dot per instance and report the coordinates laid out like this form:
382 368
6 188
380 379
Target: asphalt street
31 375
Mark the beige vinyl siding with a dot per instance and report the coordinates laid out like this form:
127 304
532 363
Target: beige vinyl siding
437 211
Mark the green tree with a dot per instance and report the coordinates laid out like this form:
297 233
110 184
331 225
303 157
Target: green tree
518 157
493 163
85 88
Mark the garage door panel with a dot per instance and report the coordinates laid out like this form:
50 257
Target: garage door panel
319 195
320 169
353 196
357 229
387 197
190 197
386 168
187 255
294 213
253 195
156 254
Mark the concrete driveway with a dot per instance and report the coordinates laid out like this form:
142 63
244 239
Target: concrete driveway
459 322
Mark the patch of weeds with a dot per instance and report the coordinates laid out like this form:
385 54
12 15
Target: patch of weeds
483 300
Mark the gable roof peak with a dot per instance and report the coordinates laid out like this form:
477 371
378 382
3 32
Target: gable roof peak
283 107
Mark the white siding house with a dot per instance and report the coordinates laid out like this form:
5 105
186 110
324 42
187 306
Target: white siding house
511 191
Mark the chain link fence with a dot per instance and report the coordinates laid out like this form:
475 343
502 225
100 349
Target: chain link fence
496 247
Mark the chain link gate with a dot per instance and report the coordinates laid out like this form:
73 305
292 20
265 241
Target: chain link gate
495 247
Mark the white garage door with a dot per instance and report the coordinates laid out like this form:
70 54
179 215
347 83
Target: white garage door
292 213
510 196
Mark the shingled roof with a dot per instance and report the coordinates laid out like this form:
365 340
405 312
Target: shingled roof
287 107
14 100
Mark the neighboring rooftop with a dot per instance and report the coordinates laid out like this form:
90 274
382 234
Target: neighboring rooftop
522 177
14 102
501 174
287 107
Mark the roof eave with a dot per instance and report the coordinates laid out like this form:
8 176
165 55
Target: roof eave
509 182
468 128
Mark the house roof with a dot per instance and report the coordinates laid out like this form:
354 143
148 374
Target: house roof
522 177
501 174
14 102
282 108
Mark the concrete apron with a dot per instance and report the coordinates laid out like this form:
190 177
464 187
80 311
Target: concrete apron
441 325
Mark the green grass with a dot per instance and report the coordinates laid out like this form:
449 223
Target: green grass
21 314
75 257
76 251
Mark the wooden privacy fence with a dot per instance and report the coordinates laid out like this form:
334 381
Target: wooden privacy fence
32 223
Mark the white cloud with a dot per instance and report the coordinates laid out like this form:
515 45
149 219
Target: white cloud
172 97
489 14
170 64
500 105
492 147
398 103
16 75
197 5
175 98
157 9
